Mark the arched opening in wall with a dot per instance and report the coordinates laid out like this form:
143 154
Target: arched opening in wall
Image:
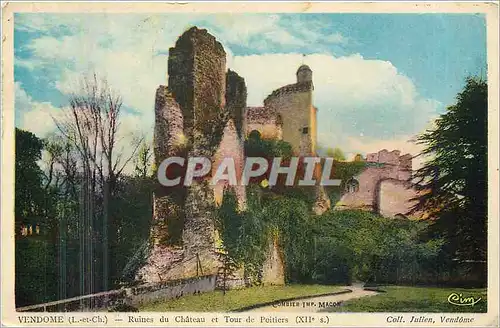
352 185
254 134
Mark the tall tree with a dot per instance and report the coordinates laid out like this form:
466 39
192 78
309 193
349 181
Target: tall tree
34 207
92 128
29 176
143 162
454 177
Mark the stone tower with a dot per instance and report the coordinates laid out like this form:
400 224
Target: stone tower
304 74
190 118
197 78
294 104
289 114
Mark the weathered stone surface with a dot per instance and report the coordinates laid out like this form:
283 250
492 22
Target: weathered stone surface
273 270
169 125
196 69
161 260
231 147
322 202
294 105
384 186
264 120
395 197
199 229
168 141
200 113
236 100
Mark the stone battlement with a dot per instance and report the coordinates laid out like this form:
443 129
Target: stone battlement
289 89
392 158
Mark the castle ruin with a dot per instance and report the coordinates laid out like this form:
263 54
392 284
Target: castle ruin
203 112
200 113
288 114
383 187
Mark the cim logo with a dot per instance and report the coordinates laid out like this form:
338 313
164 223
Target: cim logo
458 299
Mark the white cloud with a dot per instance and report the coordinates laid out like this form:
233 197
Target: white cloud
37 117
360 101
40 118
242 30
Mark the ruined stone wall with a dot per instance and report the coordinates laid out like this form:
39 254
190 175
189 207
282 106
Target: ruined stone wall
169 125
232 147
265 120
266 130
197 80
314 128
181 76
364 198
273 270
236 100
209 88
190 111
384 186
208 123
194 117
168 141
394 197
391 157
294 104
131 296
387 157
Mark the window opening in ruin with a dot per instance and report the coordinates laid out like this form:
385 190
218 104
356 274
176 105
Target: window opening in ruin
279 120
305 130
352 185
254 135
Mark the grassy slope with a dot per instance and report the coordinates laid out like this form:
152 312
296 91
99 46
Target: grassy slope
414 299
237 299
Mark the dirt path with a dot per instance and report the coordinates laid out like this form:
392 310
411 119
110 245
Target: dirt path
316 304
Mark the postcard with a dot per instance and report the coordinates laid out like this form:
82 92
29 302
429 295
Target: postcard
250 164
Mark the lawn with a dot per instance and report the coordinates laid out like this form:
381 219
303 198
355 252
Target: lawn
237 299
414 299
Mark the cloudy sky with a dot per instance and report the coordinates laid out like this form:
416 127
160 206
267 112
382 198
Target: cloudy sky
379 79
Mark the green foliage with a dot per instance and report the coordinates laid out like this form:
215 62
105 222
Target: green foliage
369 247
143 162
36 271
336 247
29 193
133 204
291 217
454 176
236 299
336 153
346 170
244 233
341 246
267 148
415 299
36 262
343 171
48 266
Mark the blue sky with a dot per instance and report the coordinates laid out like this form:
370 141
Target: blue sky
380 79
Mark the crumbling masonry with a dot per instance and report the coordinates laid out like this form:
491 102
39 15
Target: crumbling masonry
200 113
